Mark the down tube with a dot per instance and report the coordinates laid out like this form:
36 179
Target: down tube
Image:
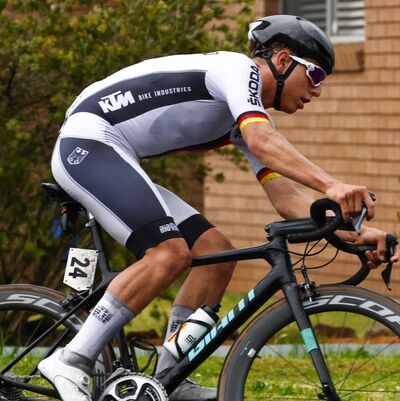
207 344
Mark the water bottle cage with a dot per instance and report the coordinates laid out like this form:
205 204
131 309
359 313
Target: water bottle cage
178 348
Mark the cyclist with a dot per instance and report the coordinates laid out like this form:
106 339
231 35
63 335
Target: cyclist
188 102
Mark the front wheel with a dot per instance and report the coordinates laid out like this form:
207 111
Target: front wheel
357 330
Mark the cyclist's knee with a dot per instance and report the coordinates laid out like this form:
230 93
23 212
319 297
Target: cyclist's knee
224 243
228 267
213 240
170 258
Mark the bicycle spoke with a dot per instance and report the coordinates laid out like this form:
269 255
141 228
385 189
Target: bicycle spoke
33 333
28 326
373 382
372 373
309 382
273 397
23 324
294 378
343 324
359 352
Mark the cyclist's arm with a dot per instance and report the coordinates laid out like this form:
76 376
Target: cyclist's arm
287 199
283 193
274 150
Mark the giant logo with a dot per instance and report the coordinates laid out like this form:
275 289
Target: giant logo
223 323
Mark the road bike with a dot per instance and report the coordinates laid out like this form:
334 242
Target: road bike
328 342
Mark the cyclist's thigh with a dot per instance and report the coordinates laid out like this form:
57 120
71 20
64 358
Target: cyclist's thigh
110 183
191 223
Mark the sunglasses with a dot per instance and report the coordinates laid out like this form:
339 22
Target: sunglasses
314 73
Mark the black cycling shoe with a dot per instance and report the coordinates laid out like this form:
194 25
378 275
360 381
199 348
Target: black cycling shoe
189 390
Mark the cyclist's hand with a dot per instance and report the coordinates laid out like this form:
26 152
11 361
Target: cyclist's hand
351 199
368 236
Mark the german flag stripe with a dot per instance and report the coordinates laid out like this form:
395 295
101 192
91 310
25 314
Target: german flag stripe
251 117
266 174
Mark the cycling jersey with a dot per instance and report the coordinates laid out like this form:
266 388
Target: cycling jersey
173 103
148 109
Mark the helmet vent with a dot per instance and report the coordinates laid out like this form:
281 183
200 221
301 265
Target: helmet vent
263 25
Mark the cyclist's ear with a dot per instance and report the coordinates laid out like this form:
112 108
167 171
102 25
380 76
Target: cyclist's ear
282 60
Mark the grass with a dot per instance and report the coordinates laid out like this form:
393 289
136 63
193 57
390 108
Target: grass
374 380
277 378
294 376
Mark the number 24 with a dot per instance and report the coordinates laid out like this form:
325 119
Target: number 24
77 271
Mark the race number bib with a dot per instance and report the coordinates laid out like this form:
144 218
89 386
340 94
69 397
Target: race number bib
81 267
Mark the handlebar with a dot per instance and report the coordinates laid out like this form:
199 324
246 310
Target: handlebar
321 226
318 214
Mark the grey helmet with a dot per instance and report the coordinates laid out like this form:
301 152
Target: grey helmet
301 35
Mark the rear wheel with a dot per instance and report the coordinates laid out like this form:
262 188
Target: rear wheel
26 312
357 330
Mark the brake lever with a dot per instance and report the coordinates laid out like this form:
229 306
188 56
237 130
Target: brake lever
391 242
387 274
357 221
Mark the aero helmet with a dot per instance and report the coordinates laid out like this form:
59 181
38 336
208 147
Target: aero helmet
300 35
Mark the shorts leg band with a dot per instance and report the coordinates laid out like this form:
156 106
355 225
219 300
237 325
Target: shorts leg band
151 235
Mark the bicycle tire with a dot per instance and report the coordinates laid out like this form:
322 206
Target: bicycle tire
266 363
26 311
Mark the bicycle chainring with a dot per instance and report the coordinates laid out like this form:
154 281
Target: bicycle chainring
124 385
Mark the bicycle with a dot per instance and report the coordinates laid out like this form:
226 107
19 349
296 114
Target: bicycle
39 320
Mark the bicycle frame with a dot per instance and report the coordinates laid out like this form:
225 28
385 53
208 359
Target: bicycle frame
281 277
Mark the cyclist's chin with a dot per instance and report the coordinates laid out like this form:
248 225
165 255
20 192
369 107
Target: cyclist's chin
290 104
289 109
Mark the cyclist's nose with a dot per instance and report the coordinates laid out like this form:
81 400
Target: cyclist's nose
316 91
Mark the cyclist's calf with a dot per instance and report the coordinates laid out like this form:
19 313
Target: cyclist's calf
207 284
140 283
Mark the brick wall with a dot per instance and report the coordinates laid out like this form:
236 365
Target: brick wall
352 131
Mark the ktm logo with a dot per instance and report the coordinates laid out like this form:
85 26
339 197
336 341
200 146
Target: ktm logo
116 101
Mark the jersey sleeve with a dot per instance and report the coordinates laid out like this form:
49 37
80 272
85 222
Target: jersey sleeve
236 80
263 173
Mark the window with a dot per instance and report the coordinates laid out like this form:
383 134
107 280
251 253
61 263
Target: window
342 20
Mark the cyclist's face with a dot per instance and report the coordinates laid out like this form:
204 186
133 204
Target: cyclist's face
298 89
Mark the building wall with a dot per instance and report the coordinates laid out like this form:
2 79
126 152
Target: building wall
352 131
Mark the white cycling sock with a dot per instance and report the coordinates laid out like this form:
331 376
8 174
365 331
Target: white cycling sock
179 314
104 321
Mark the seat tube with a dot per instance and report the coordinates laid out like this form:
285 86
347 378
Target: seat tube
98 242
293 297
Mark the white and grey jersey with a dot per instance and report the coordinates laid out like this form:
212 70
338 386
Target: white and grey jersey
171 103
151 108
